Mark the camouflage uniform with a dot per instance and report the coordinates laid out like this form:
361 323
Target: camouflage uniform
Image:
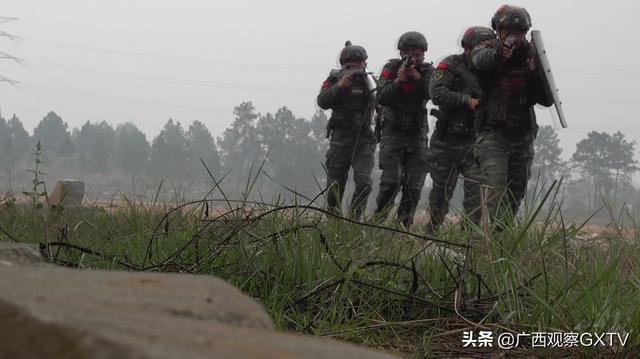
403 147
352 141
451 150
506 126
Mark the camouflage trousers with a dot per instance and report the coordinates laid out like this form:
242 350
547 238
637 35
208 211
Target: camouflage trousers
348 150
447 160
505 161
403 161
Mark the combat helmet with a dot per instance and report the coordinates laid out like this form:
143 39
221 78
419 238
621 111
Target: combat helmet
511 17
352 53
475 35
412 39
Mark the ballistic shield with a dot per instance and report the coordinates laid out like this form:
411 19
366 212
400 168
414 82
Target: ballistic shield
550 89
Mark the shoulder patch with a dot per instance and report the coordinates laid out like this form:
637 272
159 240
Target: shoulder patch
442 65
326 84
385 73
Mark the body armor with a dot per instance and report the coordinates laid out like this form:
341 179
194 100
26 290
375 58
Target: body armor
507 103
409 116
458 120
354 109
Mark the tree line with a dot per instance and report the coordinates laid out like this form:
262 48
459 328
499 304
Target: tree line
286 152
289 150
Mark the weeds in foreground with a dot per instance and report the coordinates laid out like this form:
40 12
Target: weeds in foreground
380 286
38 189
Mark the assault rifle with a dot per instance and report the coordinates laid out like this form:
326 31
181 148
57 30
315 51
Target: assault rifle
407 61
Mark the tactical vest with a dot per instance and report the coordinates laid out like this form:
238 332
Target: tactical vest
411 115
459 120
355 107
507 100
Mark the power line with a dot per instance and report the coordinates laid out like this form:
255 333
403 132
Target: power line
6 56
6 79
178 58
4 19
96 92
189 82
5 34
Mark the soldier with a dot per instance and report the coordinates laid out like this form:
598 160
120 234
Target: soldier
454 88
506 123
403 93
349 93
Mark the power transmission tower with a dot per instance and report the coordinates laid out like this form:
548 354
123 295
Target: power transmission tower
5 56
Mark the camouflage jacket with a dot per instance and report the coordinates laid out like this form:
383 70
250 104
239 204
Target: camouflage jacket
352 107
451 87
404 106
510 90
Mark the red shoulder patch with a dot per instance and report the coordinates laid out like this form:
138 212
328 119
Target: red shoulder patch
326 84
408 87
385 73
442 65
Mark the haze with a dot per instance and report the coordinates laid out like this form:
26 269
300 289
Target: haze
146 62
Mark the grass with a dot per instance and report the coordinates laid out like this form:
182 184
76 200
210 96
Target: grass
366 283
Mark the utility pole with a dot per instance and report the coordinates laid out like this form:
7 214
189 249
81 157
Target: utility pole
5 56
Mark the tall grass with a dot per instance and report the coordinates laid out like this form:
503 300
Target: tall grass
367 282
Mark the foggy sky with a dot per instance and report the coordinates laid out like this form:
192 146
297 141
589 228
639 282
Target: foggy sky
148 61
